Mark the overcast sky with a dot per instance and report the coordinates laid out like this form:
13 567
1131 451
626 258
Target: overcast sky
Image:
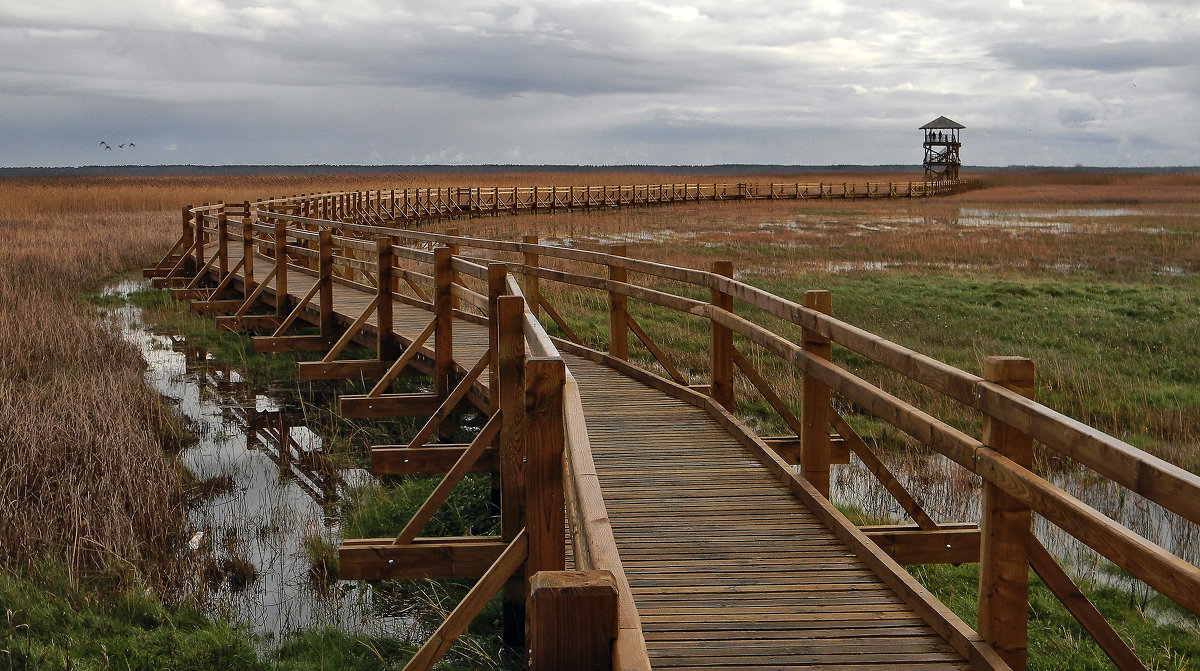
1045 82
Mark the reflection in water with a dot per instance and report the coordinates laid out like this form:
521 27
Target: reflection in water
271 491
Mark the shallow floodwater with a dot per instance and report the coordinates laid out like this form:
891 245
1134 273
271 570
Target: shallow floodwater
274 489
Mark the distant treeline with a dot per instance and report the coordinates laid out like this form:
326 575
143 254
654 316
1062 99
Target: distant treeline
720 169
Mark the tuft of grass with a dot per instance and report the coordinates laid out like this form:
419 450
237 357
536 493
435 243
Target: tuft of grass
1056 640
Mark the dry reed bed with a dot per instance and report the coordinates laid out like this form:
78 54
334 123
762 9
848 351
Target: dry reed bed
82 471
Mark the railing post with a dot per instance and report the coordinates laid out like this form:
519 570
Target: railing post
497 287
443 347
325 277
533 292
383 315
722 343
814 422
1005 527
282 307
618 305
247 254
455 250
200 238
572 620
510 401
223 243
544 439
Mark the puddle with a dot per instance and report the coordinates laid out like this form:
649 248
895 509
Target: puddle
274 490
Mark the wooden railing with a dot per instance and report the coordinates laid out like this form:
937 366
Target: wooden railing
389 260
406 206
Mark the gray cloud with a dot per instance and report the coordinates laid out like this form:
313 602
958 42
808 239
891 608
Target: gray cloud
822 81
1121 56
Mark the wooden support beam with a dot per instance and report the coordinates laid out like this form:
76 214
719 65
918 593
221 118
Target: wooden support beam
814 416
510 402
788 448
506 564
248 285
248 322
403 460
215 306
450 401
381 559
1005 525
572 620
281 284
1082 608
325 282
384 283
655 351
722 344
349 333
442 491
398 368
367 369
618 306
559 321
949 544
532 288
889 481
290 343
756 379
388 405
443 307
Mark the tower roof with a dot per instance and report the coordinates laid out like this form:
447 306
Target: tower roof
942 123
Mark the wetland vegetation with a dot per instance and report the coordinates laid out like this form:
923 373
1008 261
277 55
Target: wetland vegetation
1095 277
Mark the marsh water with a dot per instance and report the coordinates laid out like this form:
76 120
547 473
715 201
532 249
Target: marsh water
270 492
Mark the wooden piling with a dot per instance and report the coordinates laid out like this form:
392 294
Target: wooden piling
572 620
1005 525
814 437
618 307
722 344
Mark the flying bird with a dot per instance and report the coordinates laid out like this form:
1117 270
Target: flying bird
104 144
132 145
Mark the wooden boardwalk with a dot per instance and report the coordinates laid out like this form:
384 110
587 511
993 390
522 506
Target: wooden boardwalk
728 568
695 543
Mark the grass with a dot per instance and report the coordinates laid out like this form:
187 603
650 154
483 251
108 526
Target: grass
1056 641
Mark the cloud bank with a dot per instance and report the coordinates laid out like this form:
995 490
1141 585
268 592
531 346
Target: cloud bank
1105 82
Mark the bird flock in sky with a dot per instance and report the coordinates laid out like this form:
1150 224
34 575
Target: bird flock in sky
108 147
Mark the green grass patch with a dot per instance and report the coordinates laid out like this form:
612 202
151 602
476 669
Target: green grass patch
1056 640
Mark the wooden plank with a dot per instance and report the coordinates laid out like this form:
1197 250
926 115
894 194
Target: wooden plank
920 546
292 343
387 561
403 460
248 322
215 306
365 369
388 405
